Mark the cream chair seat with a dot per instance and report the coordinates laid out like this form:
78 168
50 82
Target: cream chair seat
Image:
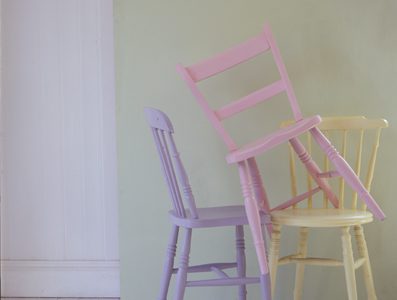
321 217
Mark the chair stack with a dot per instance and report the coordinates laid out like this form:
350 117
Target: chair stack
256 205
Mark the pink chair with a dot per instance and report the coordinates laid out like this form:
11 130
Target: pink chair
244 156
185 214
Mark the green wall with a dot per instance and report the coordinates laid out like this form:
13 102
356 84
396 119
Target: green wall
342 60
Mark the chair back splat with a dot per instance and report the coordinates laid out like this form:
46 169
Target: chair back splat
172 166
228 59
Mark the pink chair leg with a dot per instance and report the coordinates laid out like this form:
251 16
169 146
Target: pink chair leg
346 172
241 264
257 185
254 221
168 264
314 170
183 267
259 190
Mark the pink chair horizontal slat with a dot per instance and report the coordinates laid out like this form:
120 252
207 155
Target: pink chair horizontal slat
250 100
229 58
296 199
329 174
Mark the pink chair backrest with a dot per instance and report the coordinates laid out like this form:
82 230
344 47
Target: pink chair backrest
173 169
228 59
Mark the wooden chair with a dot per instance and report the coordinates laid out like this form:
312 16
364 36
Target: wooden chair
186 215
254 194
354 134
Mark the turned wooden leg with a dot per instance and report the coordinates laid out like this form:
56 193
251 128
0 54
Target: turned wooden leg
274 255
300 267
183 266
259 190
313 170
348 262
257 185
363 252
241 264
346 172
254 221
168 264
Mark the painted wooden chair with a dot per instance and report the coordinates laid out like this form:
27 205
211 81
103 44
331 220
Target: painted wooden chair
255 198
358 138
186 215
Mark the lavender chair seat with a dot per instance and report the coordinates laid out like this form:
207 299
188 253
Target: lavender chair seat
215 217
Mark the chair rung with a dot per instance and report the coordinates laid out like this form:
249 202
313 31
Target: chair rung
219 272
250 100
328 174
208 267
223 282
315 261
359 262
297 199
287 259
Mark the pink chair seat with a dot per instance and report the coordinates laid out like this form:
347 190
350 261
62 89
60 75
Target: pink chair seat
215 217
272 140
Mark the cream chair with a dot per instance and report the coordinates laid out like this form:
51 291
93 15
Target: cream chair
358 138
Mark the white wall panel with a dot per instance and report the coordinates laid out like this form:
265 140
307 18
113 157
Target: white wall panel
59 185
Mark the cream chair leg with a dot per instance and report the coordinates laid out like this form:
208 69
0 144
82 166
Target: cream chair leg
300 267
363 252
348 262
274 254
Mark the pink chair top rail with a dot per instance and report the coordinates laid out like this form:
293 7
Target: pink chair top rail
228 59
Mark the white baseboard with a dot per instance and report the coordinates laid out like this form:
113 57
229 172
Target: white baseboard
39 278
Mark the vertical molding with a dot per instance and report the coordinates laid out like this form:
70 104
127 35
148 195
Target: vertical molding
109 127
1 140
101 178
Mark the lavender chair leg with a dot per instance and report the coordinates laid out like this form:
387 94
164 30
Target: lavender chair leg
241 263
168 264
183 267
346 172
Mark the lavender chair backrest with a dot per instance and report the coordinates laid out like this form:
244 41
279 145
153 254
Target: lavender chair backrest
228 59
173 169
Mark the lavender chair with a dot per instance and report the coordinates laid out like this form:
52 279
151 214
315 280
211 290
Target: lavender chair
185 214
